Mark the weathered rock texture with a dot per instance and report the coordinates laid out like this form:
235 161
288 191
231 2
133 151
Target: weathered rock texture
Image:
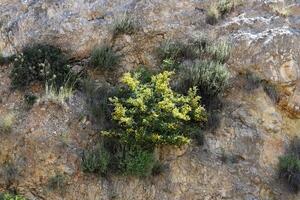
253 133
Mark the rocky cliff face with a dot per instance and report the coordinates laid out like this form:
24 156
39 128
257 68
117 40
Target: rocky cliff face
237 161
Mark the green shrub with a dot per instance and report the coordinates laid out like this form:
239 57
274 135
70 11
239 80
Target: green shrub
57 182
220 8
176 51
41 63
124 25
137 162
219 51
104 58
96 160
289 169
289 166
30 99
7 196
211 78
153 113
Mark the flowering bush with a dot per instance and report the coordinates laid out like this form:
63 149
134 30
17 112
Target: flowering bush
153 113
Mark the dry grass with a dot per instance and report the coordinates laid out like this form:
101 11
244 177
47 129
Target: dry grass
281 9
6 122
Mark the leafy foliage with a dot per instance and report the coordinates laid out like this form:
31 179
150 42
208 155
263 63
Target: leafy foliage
7 196
104 57
39 63
153 113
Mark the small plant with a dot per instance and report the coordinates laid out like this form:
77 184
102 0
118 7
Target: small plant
219 51
8 196
210 78
10 173
175 52
6 123
62 93
96 160
39 63
137 162
30 99
289 166
213 14
281 9
220 8
104 57
153 113
57 182
124 25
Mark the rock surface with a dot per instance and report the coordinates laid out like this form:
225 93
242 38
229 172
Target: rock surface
253 133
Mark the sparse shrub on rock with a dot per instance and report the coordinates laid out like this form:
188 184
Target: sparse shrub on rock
289 166
104 58
39 63
124 25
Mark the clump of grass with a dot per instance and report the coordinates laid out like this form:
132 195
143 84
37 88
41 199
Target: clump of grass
289 166
104 58
6 123
124 25
57 182
211 78
220 8
62 93
96 160
281 9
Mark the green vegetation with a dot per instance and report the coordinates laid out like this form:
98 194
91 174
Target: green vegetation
96 160
210 77
220 8
153 113
39 63
199 63
8 196
57 182
124 25
289 166
62 93
104 58
30 99
6 122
